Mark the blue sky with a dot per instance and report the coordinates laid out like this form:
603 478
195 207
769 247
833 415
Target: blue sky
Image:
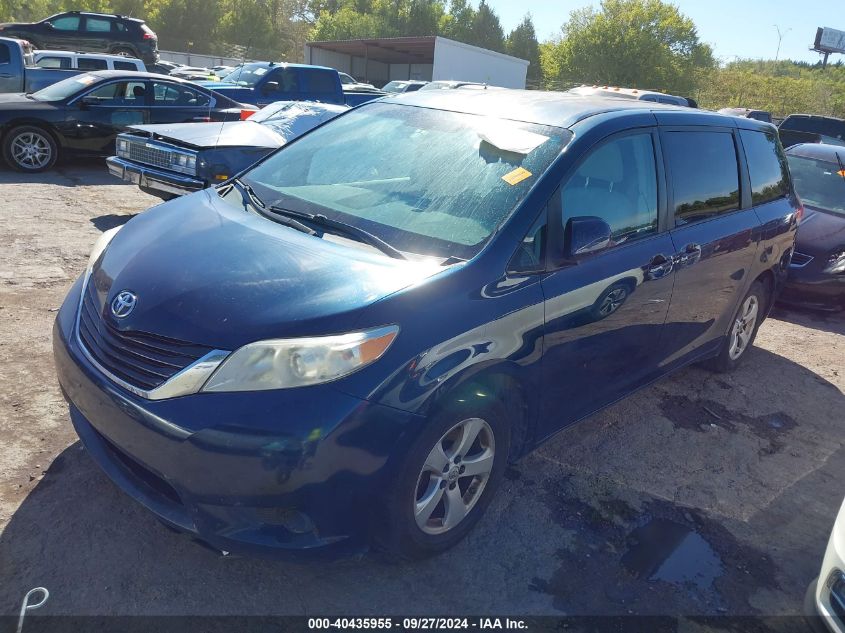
742 28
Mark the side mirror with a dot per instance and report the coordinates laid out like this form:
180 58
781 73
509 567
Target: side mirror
270 86
586 235
86 102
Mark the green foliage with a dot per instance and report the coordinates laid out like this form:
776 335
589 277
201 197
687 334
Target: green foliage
522 42
782 88
632 43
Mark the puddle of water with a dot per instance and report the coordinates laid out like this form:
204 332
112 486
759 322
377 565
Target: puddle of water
668 551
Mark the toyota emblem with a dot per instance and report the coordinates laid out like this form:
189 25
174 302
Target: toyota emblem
123 304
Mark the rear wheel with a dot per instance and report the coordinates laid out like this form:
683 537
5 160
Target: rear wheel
30 149
445 484
122 50
743 330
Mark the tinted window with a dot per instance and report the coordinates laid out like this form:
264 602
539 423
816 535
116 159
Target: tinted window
531 253
322 82
819 183
97 25
816 125
125 66
5 55
88 63
170 94
766 166
120 93
67 23
53 62
704 173
618 183
287 79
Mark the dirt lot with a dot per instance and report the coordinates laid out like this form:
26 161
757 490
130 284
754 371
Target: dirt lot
704 494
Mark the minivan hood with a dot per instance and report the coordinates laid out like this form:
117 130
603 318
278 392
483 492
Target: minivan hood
206 272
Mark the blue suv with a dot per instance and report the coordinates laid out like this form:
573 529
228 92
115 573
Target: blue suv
347 343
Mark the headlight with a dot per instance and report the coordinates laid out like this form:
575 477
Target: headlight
287 363
99 246
836 262
123 148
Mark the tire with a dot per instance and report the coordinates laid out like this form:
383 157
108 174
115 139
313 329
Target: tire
30 149
122 50
402 532
743 330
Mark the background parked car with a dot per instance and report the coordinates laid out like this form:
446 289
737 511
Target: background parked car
162 67
217 151
84 113
194 73
824 603
66 60
90 32
811 128
401 87
350 83
18 72
817 273
633 93
748 113
262 83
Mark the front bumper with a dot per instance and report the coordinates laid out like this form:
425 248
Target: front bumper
827 292
154 180
260 473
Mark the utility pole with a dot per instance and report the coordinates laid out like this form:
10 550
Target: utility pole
781 35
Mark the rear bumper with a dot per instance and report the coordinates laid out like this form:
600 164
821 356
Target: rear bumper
286 473
153 180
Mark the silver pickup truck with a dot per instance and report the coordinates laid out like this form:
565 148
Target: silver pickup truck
18 72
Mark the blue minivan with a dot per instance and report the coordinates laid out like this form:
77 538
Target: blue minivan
346 344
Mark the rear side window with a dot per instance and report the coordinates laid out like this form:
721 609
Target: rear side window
97 25
89 63
766 166
5 55
322 82
125 66
704 174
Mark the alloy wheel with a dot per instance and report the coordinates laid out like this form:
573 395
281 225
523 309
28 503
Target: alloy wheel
743 327
31 150
454 476
612 301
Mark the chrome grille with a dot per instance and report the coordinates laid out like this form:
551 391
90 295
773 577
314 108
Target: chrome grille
141 153
141 359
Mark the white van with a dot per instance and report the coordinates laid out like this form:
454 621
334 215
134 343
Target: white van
67 60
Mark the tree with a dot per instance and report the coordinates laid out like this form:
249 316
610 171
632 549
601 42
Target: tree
457 23
522 42
632 43
486 29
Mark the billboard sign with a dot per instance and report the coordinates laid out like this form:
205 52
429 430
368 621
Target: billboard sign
829 40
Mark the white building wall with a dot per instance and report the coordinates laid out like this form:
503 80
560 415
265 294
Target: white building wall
462 62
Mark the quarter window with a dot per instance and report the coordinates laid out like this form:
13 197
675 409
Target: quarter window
617 183
766 166
704 174
54 62
125 66
67 23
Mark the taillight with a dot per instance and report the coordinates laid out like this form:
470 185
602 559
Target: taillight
245 114
149 36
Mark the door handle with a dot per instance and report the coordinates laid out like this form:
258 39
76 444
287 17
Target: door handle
659 266
688 256
5 75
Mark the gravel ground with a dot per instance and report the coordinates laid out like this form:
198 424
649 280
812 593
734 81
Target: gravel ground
703 494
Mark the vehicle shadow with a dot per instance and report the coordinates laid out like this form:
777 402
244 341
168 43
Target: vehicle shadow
553 541
833 322
111 220
66 173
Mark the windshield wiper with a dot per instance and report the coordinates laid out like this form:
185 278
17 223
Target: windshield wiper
258 204
841 166
349 230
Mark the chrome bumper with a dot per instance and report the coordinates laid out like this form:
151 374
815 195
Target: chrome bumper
153 179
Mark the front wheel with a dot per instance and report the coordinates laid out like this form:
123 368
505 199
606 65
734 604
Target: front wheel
746 322
445 484
30 149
